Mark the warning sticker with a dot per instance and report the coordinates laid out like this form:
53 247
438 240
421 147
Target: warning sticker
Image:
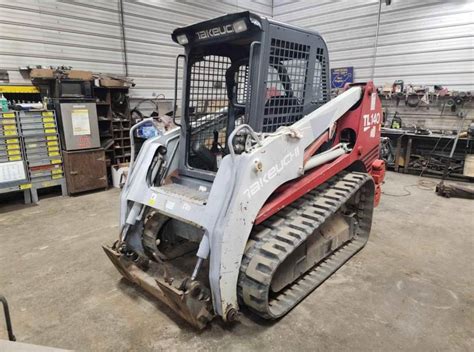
373 100
80 122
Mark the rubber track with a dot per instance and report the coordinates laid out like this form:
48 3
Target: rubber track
272 241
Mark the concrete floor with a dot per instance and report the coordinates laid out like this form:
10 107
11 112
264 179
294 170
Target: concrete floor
410 289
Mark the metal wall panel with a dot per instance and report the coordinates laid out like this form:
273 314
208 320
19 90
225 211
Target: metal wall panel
421 42
87 35
54 33
151 53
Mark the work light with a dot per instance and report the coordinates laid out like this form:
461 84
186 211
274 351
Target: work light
239 26
182 39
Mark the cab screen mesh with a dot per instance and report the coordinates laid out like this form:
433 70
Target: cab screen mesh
286 84
207 103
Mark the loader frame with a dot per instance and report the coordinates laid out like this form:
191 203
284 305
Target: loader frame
244 183
277 165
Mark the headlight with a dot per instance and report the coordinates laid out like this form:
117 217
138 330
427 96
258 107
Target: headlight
239 26
182 39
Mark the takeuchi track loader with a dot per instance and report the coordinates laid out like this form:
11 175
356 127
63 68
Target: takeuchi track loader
267 186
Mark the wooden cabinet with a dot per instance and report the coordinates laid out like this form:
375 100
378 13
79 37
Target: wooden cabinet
85 170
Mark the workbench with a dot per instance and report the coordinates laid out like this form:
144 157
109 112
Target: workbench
412 151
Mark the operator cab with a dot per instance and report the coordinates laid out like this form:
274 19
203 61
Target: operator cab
243 68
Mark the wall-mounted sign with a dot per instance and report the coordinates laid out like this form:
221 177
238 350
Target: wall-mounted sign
341 76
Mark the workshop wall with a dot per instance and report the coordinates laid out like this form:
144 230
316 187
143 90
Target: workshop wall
428 42
87 35
420 42
151 53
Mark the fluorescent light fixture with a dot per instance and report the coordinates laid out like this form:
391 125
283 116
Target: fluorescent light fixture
182 39
239 26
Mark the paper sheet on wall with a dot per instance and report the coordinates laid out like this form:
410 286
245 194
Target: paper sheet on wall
12 171
80 122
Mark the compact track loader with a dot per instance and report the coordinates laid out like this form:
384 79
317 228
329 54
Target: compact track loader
267 186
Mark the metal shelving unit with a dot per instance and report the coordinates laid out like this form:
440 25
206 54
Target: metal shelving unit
113 113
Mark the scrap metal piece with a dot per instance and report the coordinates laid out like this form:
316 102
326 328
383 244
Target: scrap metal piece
454 191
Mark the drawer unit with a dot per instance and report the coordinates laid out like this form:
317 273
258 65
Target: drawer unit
41 141
39 131
10 143
13 171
